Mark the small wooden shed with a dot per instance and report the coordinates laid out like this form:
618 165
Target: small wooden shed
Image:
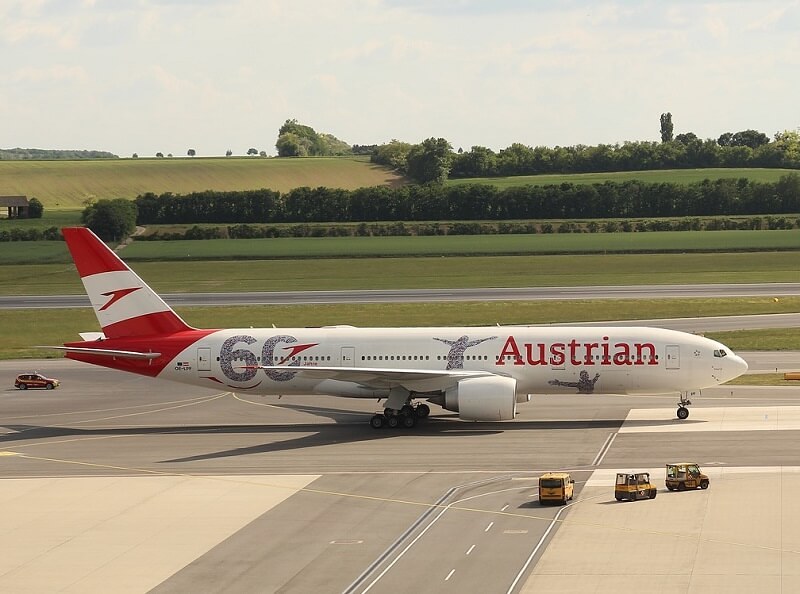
16 207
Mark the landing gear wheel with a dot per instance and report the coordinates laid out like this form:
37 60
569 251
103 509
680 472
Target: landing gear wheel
683 413
377 421
422 411
393 421
407 410
408 421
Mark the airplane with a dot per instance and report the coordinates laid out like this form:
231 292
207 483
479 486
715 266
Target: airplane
481 373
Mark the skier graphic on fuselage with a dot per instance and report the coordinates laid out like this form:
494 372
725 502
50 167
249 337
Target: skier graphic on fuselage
584 384
455 358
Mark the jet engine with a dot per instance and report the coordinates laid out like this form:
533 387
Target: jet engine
483 399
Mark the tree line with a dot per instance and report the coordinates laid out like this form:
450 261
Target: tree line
476 202
434 161
421 229
401 229
28 154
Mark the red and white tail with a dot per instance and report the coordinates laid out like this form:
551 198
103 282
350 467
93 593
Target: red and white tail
123 303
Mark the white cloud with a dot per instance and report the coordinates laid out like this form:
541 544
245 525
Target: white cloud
227 74
56 73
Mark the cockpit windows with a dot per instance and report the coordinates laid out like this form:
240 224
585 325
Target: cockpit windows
720 353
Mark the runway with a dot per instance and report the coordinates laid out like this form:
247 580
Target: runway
431 295
119 479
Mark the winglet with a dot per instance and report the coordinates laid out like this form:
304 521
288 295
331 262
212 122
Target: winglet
123 303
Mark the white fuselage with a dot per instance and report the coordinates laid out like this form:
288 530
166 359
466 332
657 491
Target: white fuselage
541 359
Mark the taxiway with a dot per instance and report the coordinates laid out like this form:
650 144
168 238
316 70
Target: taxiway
124 480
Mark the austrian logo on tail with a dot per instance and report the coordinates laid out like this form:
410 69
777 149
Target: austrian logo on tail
116 295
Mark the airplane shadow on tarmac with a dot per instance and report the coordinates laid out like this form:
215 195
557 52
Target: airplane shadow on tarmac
309 435
305 435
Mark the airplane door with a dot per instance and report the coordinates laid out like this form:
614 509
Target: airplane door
673 356
204 359
348 356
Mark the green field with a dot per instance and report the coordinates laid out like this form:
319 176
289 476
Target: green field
338 247
422 272
67 184
415 246
675 176
23 329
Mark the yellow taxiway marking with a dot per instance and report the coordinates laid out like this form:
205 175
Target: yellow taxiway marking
422 504
9 454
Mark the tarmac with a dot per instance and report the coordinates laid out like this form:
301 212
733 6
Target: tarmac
118 482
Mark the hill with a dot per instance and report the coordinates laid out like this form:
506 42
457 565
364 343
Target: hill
67 184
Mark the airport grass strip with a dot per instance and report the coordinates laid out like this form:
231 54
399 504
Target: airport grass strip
23 329
52 278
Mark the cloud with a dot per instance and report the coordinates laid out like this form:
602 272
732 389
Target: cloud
56 73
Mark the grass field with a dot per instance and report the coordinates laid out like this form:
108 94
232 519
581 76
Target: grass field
676 176
23 329
51 218
437 272
316 247
67 184
412 246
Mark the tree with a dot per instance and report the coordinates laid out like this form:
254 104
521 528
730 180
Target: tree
252 151
666 127
111 220
191 152
135 156
290 144
430 161
262 154
725 139
751 138
160 155
228 153
306 141
35 209
686 138
478 162
394 155
788 143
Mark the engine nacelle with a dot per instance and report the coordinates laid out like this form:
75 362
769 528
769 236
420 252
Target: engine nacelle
483 399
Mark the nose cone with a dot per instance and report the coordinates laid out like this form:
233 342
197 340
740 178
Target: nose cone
733 366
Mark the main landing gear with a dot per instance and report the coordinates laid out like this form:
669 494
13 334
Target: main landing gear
406 417
683 412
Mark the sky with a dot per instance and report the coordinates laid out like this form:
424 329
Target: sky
144 76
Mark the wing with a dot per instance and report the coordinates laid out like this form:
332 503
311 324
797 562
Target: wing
417 380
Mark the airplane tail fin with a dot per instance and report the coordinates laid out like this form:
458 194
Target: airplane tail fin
123 303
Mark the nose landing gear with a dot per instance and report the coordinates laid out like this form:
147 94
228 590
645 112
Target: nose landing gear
683 412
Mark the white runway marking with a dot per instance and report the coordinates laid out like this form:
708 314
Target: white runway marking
82 534
751 418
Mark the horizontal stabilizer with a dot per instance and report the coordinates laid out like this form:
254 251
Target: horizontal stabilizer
106 352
